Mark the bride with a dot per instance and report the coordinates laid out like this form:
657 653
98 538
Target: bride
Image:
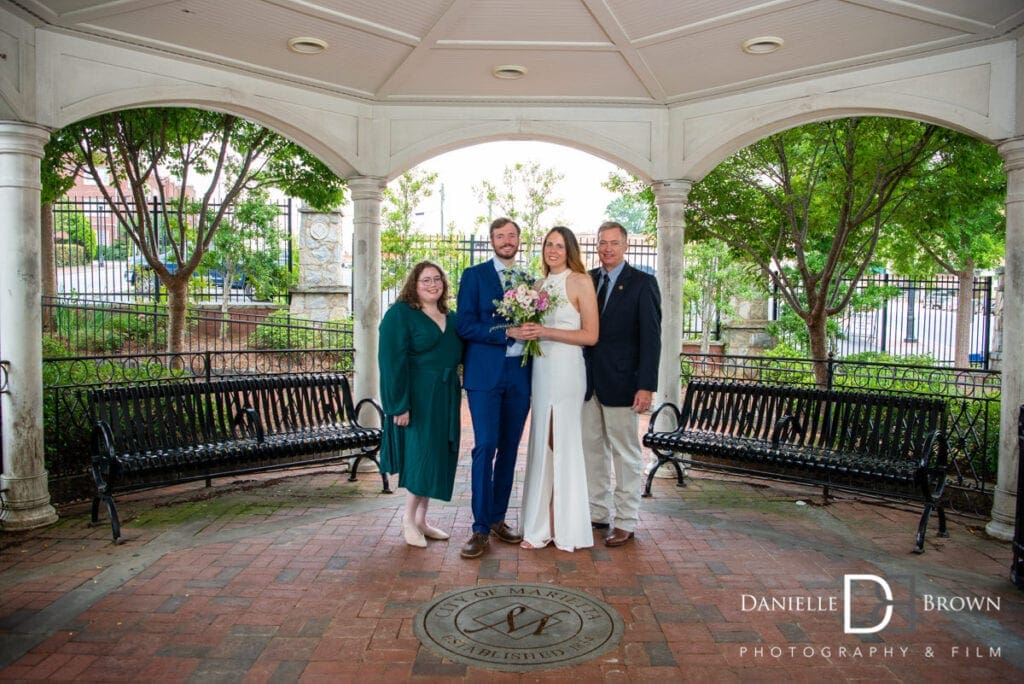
555 504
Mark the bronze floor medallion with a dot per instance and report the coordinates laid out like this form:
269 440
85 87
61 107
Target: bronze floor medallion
518 627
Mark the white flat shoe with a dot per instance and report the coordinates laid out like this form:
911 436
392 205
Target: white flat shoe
433 533
413 537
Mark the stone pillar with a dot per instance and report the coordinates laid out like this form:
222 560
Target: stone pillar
24 481
744 333
670 198
367 195
321 293
1005 504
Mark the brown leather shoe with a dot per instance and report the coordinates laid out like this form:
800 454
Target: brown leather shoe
618 537
505 533
476 546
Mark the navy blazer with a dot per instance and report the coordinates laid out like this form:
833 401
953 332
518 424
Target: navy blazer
485 345
625 358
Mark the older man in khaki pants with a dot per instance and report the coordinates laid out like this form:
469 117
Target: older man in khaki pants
622 376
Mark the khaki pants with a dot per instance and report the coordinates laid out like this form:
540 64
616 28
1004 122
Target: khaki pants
610 443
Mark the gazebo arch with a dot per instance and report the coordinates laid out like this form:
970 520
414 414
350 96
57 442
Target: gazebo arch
368 139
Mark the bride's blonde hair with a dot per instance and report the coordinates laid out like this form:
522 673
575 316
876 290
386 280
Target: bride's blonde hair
573 257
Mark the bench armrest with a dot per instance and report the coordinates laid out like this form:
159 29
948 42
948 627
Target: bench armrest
376 407
790 421
935 454
103 441
654 417
253 425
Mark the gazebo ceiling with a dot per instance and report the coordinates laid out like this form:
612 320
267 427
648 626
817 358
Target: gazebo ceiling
574 51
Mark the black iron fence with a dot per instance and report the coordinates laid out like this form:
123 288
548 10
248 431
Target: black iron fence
95 259
100 327
972 398
904 317
456 253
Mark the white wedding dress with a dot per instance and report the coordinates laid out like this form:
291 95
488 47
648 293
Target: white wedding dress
555 489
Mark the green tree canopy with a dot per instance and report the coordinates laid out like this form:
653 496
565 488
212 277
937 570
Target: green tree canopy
953 222
526 192
132 154
807 206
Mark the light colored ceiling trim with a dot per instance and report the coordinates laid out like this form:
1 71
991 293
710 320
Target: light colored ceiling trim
99 10
809 72
720 20
216 61
1012 24
613 29
524 45
451 14
320 12
932 16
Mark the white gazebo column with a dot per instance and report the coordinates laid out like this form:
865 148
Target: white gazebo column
24 481
1012 369
367 194
670 198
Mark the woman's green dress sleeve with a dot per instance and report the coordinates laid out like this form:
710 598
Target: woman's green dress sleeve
393 359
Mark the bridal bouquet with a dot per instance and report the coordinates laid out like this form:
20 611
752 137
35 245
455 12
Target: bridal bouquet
520 304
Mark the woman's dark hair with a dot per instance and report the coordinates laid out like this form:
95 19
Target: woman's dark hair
573 256
409 295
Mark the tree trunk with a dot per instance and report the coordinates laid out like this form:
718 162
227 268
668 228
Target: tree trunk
816 329
177 305
707 316
225 298
49 267
964 313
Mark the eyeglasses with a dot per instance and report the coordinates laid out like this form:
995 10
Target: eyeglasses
436 280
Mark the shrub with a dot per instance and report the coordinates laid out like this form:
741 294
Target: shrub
281 330
67 254
79 231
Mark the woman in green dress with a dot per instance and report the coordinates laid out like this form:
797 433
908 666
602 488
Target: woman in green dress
419 355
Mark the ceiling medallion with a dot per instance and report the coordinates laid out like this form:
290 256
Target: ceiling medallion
509 71
304 45
762 45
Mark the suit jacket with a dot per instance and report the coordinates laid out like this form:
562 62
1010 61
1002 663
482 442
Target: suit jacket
625 358
475 320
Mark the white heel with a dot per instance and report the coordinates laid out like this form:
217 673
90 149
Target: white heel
413 537
433 533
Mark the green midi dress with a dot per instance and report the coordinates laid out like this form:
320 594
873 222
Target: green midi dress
419 374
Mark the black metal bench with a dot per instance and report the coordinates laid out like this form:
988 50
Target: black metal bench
872 443
150 436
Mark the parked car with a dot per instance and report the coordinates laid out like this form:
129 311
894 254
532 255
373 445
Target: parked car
217 279
941 299
139 273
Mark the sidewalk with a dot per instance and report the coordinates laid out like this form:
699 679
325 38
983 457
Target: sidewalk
304 576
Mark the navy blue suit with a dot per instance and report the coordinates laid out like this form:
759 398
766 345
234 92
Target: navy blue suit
498 390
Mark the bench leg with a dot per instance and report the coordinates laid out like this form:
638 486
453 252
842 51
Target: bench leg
922 527
383 476
650 476
943 532
115 522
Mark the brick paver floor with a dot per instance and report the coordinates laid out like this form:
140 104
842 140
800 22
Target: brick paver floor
304 576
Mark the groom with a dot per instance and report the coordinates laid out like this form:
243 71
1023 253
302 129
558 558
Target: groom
497 386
